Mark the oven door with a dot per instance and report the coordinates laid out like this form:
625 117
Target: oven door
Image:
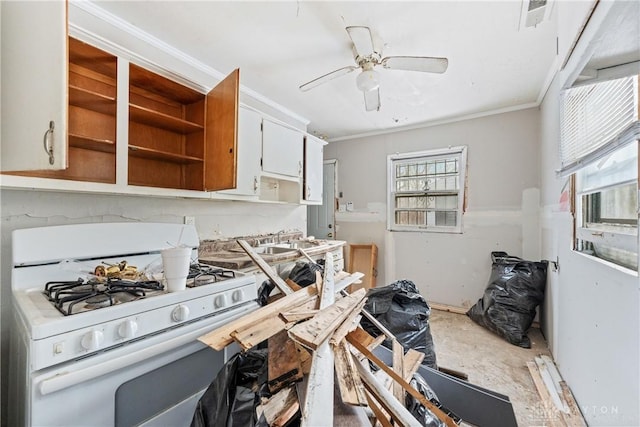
156 381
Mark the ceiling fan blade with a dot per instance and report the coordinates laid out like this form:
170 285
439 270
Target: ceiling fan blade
416 63
329 76
372 100
362 40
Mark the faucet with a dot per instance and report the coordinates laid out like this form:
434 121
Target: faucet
278 236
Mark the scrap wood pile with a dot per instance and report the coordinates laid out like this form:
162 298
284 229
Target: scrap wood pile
310 333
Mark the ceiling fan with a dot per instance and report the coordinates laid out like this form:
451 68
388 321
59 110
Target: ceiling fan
367 58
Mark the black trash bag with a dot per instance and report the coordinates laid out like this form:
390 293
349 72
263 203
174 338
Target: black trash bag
419 411
304 273
405 313
515 289
264 291
232 397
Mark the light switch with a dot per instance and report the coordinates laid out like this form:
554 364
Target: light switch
58 348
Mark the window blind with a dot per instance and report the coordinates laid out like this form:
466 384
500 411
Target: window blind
595 119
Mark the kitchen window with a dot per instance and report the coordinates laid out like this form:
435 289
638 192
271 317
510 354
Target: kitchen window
599 145
427 190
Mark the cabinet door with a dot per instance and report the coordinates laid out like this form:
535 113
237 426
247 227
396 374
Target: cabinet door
34 85
313 169
281 149
221 134
249 151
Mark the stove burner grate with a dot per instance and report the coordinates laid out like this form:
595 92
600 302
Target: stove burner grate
205 274
73 297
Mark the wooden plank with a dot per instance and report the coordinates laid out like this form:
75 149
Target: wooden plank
293 285
319 285
281 407
367 340
364 258
551 387
265 267
251 335
318 402
423 400
552 414
284 362
347 280
221 337
448 308
381 416
412 361
297 315
350 324
305 358
350 385
574 418
319 328
398 368
398 412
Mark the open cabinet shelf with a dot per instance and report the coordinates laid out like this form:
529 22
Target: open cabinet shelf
90 143
148 153
91 100
157 119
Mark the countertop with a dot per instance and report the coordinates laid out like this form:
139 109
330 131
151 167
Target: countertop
236 259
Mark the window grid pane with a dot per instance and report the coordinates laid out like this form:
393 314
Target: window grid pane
427 191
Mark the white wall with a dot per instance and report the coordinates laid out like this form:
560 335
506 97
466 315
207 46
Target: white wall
447 268
592 310
214 219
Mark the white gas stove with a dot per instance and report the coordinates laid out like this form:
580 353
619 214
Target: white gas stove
85 330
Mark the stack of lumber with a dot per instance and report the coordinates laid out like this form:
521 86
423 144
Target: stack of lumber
314 331
559 406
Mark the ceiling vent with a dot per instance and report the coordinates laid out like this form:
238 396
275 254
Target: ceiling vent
534 12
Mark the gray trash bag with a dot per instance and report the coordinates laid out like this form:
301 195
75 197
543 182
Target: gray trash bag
515 289
401 309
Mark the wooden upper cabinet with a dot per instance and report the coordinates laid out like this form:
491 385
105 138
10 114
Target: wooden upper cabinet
221 134
181 138
34 85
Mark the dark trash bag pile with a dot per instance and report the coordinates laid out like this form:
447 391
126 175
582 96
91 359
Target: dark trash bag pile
515 289
401 309
232 397
303 273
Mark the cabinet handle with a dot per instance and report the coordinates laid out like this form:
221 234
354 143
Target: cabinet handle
299 168
48 148
255 184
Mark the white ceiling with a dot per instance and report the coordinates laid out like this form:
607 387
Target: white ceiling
493 64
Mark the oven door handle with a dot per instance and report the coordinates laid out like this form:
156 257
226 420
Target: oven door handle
69 379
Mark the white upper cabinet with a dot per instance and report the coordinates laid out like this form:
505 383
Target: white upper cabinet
313 169
249 152
34 85
282 150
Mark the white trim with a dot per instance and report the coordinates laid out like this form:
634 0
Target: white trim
133 31
445 121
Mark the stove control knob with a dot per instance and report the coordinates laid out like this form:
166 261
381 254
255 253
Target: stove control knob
237 295
128 329
220 301
180 313
92 340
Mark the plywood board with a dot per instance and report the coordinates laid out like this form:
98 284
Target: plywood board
364 258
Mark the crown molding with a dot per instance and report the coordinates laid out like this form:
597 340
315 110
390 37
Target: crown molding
137 33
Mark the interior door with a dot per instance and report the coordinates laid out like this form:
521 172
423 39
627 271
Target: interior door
34 85
321 219
221 134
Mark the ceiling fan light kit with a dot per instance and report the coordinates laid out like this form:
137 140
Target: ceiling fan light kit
368 80
366 58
